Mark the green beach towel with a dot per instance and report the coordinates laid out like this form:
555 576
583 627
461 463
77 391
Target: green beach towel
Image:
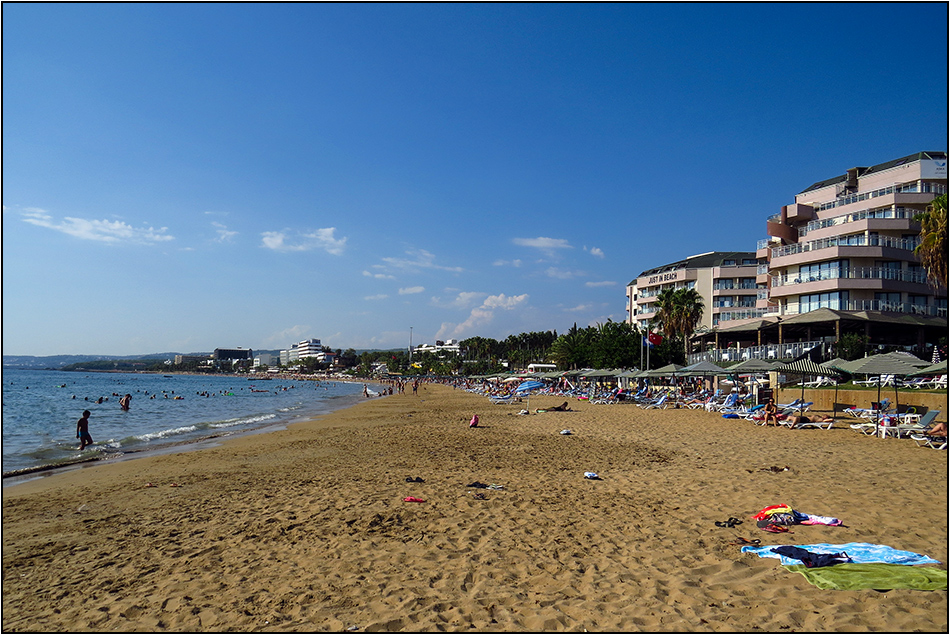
853 576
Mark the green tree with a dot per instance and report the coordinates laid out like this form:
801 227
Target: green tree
678 312
573 349
932 249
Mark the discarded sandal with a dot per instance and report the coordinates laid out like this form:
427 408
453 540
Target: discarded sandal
732 522
413 499
416 479
743 541
776 529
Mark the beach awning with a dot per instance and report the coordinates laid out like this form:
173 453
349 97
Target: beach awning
936 369
704 368
883 364
666 371
752 365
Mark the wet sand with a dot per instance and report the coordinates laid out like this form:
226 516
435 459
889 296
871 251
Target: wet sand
305 529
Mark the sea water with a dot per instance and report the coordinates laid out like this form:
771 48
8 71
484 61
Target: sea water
41 408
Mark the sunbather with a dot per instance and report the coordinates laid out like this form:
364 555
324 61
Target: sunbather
794 420
939 430
562 408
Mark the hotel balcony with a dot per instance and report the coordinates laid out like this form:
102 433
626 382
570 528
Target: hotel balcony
847 246
870 278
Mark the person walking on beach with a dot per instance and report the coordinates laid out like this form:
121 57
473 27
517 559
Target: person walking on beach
82 430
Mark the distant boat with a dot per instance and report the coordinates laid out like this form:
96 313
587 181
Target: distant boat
169 376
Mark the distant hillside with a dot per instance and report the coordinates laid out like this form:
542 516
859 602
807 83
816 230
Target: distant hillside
58 361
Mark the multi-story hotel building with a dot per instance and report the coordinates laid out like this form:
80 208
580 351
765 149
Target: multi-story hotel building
847 243
726 281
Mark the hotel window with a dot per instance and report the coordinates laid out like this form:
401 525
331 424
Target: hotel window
887 301
728 263
827 270
749 261
834 300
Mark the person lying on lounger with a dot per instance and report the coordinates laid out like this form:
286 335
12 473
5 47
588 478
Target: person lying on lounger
795 420
938 430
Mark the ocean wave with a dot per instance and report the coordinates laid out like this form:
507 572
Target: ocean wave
240 421
164 434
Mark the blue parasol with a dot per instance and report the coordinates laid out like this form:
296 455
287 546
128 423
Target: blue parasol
525 388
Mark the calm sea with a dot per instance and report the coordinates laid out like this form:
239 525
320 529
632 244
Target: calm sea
40 410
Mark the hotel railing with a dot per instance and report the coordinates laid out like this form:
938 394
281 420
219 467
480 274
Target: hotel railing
861 273
767 352
852 240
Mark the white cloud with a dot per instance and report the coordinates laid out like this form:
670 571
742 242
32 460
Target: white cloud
543 243
379 276
603 283
328 241
503 263
419 259
579 308
380 296
463 300
561 274
411 290
483 314
502 301
224 234
99 230
289 335
597 252
320 239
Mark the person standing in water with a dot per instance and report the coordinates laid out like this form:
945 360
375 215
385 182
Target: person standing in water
125 401
82 430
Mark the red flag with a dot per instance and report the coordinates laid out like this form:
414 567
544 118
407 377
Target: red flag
655 338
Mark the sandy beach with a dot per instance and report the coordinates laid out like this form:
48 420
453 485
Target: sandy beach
306 529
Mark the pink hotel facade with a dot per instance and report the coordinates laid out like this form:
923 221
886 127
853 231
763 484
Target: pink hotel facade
845 244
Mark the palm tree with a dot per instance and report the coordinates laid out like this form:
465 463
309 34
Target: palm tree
932 249
665 313
679 311
689 311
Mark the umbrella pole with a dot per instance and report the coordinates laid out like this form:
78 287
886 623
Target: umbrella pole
879 405
834 404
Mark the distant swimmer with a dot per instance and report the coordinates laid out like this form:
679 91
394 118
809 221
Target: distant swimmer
82 430
125 401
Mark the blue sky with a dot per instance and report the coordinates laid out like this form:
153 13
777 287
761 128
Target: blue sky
182 177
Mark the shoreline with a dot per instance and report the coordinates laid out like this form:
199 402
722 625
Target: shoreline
306 528
18 476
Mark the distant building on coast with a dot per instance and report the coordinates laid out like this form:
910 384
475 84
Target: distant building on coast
304 349
726 281
232 354
447 346
838 260
264 359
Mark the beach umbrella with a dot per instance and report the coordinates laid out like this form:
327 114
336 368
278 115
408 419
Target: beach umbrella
836 365
936 369
884 364
806 364
525 388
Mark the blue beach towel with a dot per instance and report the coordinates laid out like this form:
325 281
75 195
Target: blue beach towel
859 552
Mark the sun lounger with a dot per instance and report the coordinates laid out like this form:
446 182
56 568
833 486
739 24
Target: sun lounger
827 425
659 403
925 423
937 443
